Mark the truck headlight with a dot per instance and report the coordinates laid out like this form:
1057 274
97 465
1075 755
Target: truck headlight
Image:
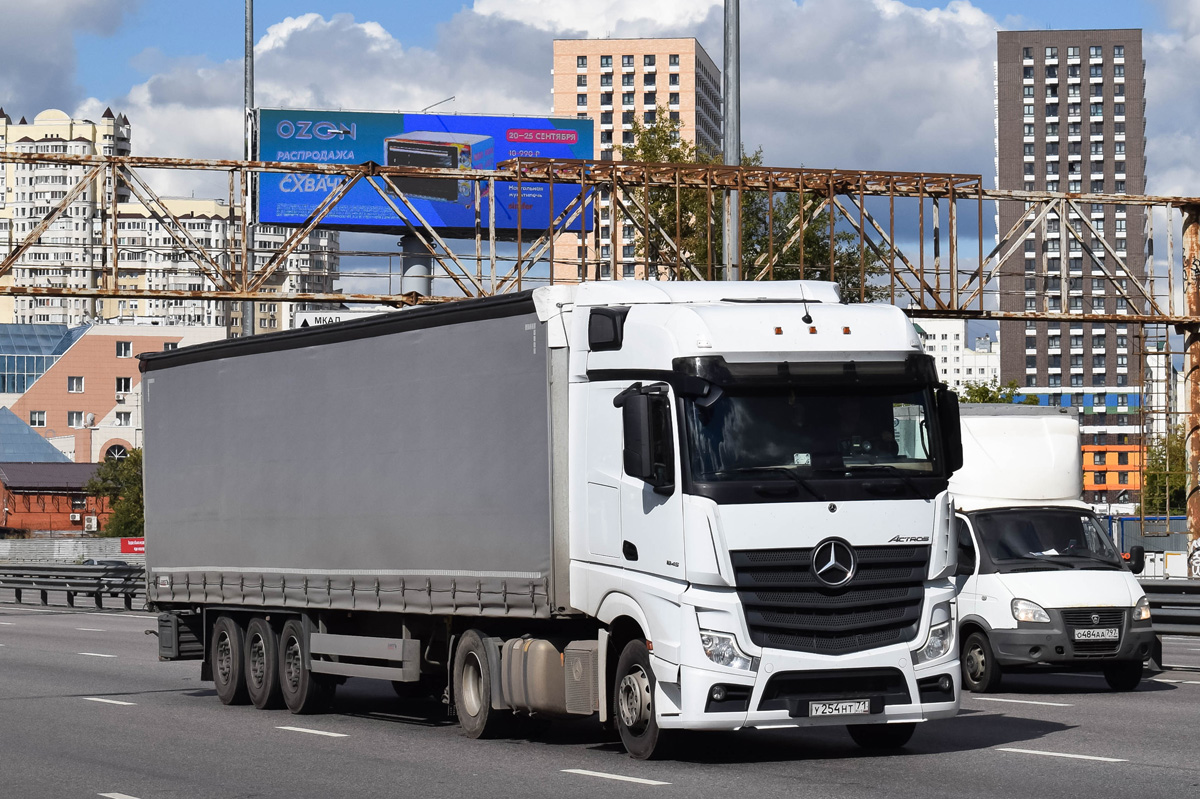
723 650
939 642
1024 610
1141 611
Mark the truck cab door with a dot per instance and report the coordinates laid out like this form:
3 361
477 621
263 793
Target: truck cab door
651 492
966 579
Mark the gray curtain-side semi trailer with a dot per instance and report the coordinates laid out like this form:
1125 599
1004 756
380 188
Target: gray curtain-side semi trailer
394 472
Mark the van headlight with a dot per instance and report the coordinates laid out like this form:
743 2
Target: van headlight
1024 610
723 650
1141 611
939 643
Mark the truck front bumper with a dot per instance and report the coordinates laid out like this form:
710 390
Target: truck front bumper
781 693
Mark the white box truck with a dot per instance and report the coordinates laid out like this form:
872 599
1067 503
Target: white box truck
700 506
1040 582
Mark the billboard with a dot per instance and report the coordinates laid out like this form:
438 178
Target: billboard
443 141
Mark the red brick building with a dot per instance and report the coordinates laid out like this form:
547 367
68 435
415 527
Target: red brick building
47 499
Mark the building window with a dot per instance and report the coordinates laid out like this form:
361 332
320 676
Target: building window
606 117
581 100
124 349
626 117
1028 73
606 98
1097 458
1118 51
1072 52
605 80
75 418
627 137
124 418
1051 52
1122 458
74 385
116 453
673 98
649 80
581 62
605 61
1026 52
124 385
37 418
581 81
648 117
648 60
1027 110
1027 91
1096 51
673 80
673 60
626 60
627 80
1123 478
1119 109
648 99
627 98
1100 478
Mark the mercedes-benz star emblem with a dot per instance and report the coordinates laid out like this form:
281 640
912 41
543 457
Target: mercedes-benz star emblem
1095 618
833 562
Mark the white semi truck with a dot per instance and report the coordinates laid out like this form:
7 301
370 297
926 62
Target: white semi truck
700 506
1040 583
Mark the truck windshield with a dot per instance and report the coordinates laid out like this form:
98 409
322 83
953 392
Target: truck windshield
811 443
1034 539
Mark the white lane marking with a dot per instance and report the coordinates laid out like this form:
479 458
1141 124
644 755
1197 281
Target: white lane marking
95 655
1062 754
90 630
618 777
7 623
108 701
1022 701
314 732
69 612
1169 682
1190 682
116 796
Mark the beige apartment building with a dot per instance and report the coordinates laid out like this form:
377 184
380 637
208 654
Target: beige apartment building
617 82
28 192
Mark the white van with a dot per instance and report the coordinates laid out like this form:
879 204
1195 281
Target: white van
1040 582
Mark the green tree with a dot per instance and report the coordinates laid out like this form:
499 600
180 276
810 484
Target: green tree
120 482
768 223
990 391
1164 479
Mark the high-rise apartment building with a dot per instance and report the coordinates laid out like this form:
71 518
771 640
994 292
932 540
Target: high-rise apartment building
64 254
1070 118
617 82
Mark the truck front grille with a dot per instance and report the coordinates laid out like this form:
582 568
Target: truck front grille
788 608
1107 617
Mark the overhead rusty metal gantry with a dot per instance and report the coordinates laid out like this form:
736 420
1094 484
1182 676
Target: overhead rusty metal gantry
918 240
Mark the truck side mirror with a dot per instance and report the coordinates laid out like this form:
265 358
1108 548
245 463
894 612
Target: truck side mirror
947 409
648 452
1137 559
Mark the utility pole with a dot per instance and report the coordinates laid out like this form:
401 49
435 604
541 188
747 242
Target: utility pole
248 154
731 238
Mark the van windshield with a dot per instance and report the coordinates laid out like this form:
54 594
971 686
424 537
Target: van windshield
1036 539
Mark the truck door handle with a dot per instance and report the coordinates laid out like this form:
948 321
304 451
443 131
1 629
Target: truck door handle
629 551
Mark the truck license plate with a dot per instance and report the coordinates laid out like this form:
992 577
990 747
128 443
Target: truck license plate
1098 634
853 707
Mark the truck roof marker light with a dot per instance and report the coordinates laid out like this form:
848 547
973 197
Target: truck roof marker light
845 331
812 328
779 331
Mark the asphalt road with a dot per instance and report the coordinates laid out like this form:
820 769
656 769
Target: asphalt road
87 710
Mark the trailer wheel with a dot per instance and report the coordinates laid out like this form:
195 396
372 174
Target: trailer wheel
303 692
262 665
980 671
633 701
226 653
1124 675
473 686
881 736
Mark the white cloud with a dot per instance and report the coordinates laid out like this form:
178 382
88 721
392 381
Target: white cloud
599 18
37 70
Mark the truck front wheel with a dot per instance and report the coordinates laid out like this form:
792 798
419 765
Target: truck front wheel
633 701
227 656
981 672
303 691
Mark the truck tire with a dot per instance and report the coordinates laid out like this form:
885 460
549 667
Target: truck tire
633 701
473 686
882 736
1124 675
262 665
303 692
227 661
980 671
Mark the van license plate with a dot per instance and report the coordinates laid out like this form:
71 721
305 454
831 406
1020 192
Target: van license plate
853 707
1098 634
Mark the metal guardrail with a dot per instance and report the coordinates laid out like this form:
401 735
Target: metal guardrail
122 582
1174 606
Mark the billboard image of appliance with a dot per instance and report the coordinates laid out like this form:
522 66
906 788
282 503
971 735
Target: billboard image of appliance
444 141
439 150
